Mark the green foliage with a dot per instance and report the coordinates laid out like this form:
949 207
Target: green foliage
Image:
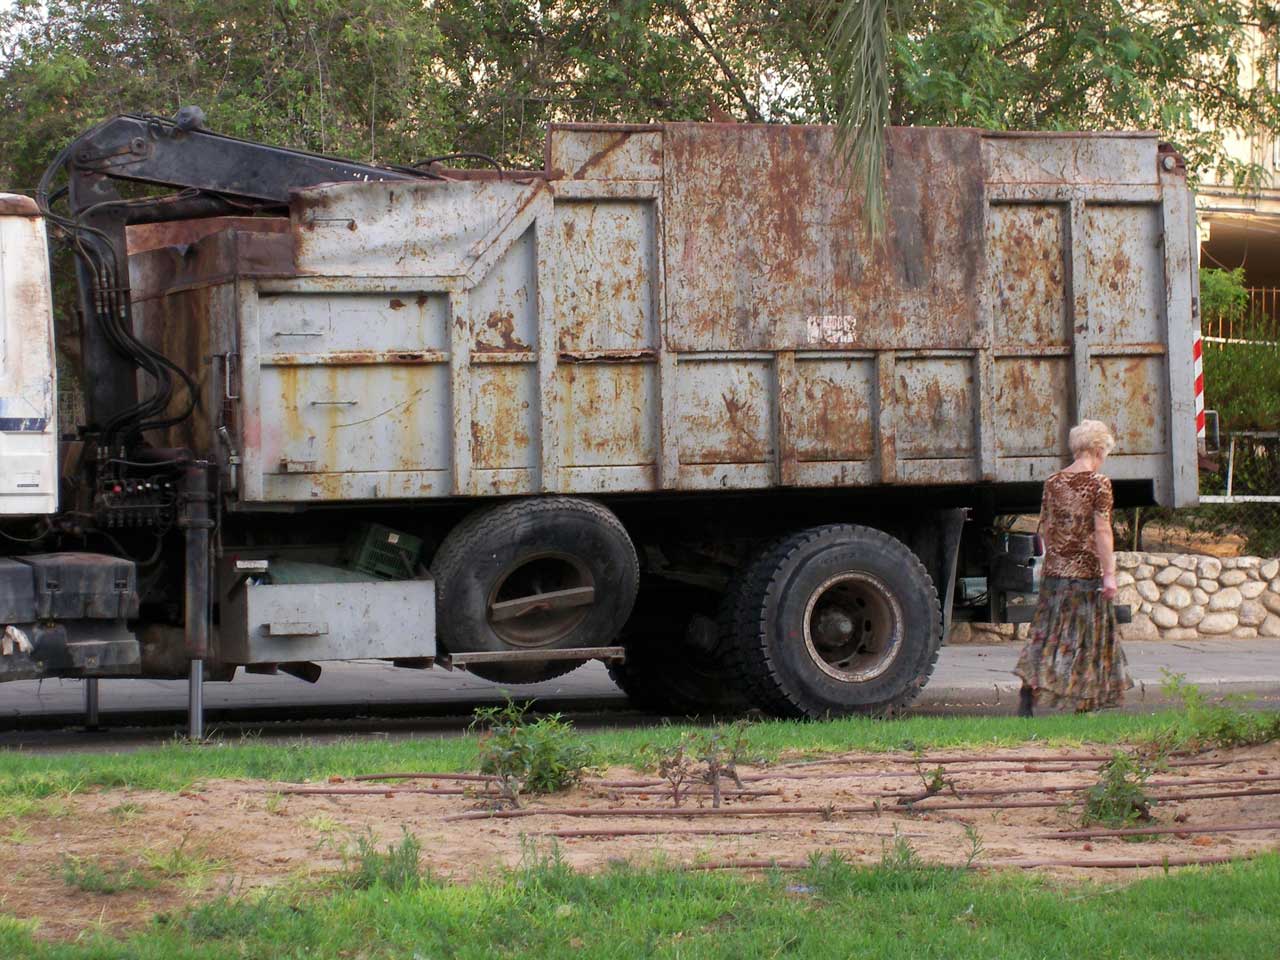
1119 798
1224 300
396 868
93 876
1204 725
1242 382
541 756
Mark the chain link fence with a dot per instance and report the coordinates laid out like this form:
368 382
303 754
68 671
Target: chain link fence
1239 511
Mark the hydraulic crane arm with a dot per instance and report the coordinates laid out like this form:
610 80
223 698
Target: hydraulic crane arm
215 175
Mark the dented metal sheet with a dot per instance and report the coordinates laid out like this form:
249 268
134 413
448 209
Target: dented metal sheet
698 306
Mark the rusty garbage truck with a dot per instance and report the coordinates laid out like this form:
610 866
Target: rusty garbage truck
665 402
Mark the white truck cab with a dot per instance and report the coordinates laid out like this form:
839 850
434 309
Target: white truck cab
28 414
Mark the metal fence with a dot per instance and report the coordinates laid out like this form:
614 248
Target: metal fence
1239 511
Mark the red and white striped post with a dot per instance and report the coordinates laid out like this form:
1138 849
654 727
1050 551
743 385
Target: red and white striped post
1197 355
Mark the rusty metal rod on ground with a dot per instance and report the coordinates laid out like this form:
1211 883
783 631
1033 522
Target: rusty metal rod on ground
920 807
744 811
606 832
973 758
1117 864
1178 829
1073 787
748 811
477 777
635 792
757 777
367 791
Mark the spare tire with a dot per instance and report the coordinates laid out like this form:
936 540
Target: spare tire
529 575
836 620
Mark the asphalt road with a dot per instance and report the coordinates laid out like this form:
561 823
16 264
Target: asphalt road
373 696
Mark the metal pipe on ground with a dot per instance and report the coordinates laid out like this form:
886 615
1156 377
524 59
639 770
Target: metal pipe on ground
1177 829
1118 864
749 811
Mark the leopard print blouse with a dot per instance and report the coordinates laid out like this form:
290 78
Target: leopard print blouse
1071 501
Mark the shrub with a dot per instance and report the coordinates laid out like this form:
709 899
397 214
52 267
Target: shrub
542 756
1242 382
1119 798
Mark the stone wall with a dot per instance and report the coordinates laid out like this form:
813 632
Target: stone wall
1178 596
1183 596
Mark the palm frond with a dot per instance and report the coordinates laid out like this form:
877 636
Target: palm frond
858 54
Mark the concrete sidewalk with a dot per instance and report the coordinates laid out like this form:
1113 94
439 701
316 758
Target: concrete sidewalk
969 678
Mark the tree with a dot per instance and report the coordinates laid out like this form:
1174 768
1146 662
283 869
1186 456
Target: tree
1177 66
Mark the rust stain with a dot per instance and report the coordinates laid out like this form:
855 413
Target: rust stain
499 333
397 303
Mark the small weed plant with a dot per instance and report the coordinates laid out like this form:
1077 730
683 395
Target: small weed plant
721 750
711 756
1119 798
92 876
396 868
539 756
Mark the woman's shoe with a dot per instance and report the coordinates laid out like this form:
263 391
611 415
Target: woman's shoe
1026 702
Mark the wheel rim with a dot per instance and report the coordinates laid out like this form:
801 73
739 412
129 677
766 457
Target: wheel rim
540 600
853 627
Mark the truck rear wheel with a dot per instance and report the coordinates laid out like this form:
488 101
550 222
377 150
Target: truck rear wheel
676 662
533 575
835 620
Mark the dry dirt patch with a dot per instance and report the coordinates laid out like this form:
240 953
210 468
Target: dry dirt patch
262 837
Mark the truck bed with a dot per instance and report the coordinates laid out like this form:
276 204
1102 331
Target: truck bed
695 307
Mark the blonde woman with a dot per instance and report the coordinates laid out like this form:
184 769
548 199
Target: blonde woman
1073 655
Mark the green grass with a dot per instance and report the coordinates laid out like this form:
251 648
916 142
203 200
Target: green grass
29 783
830 911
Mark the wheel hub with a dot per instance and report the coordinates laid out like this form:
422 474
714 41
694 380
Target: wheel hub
853 627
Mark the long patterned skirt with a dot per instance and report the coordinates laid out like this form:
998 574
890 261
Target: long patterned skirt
1073 655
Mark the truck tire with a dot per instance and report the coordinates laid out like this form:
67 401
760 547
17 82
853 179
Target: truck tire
836 620
493 566
676 662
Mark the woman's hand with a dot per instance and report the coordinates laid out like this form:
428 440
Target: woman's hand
1109 586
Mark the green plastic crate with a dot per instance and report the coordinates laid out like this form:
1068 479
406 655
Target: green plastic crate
384 552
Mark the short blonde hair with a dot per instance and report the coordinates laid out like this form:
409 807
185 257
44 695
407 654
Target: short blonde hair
1091 435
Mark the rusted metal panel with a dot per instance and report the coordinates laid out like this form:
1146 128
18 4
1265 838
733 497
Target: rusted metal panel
936 407
1126 273
604 293
1032 408
404 229
607 414
505 417
1075 159
504 304
600 152
834 409
1026 244
697 306
1131 394
726 411
765 249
